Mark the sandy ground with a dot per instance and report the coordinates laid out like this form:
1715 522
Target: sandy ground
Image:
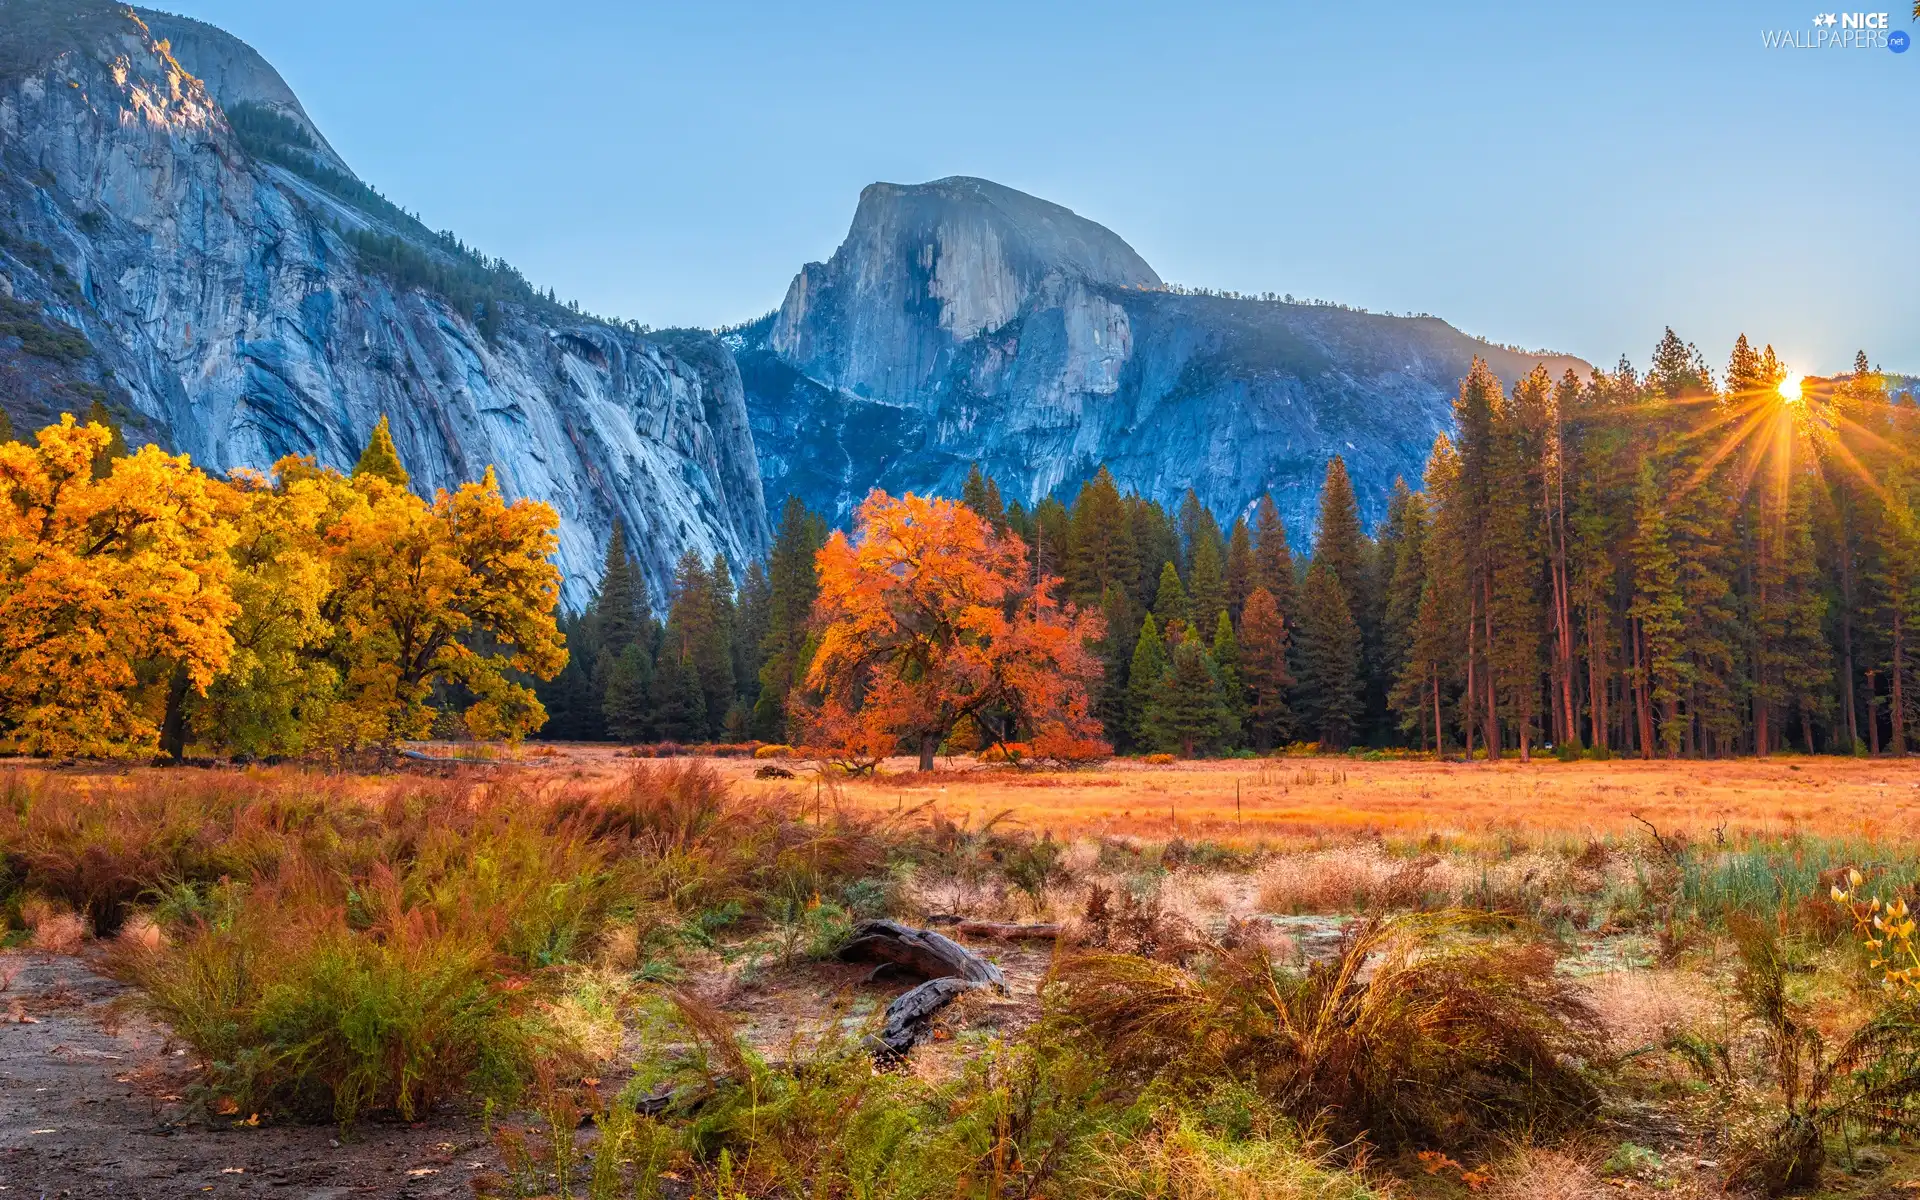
91 1105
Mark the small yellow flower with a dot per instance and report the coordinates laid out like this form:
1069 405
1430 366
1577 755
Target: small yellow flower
1854 877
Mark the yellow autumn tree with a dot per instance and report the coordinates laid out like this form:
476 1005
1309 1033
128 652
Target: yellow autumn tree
111 589
460 593
278 692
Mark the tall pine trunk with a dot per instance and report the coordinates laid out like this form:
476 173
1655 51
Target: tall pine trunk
1493 705
1898 744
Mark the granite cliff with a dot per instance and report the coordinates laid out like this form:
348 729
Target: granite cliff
962 322
180 242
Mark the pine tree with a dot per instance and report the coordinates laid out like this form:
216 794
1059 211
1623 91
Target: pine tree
621 608
1144 679
1155 542
116 447
982 495
1339 542
628 706
792 585
1272 557
1328 658
1264 646
1659 664
1116 648
1188 711
1100 549
1241 570
1047 549
1516 553
1406 532
1233 692
1196 525
1170 599
697 635
380 459
752 621
676 698
1209 593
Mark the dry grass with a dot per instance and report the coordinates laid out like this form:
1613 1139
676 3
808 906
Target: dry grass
1292 800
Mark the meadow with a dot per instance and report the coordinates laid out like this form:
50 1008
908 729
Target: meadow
1292 976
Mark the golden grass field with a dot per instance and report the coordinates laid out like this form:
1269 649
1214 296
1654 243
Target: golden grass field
1282 799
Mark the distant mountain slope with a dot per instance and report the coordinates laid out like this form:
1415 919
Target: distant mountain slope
964 322
178 239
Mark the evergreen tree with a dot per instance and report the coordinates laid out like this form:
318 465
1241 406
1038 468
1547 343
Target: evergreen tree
982 495
1209 593
753 619
1264 646
1144 679
1170 599
1233 692
1047 549
621 608
628 705
1272 557
1328 658
1406 532
1242 573
1116 646
1155 542
1516 547
116 447
1188 711
1656 612
792 584
1340 543
380 459
1100 549
1197 526
697 635
676 697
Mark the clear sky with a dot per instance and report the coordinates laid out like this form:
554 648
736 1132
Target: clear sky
1548 174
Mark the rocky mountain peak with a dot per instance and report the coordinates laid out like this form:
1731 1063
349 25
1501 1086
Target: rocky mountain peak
927 267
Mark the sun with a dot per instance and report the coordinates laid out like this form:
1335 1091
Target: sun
1790 387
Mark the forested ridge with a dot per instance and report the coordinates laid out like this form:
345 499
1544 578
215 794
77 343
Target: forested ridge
1670 563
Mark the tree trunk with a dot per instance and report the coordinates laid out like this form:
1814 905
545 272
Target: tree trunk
1472 697
173 727
1873 718
1643 692
1596 683
1898 710
928 744
1439 730
1493 708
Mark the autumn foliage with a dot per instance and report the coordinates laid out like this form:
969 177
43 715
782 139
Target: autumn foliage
928 617
145 604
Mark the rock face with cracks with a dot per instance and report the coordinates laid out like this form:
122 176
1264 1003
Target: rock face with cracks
216 299
964 322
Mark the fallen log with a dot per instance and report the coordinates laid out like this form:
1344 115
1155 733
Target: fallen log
950 970
910 1016
932 955
1008 932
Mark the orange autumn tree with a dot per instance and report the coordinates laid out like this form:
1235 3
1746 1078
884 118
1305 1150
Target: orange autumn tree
113 591
927 617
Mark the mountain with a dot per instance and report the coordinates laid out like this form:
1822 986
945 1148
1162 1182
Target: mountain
179 242
963 322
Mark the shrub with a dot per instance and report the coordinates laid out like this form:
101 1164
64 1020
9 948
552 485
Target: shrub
296 1012
774 750
1405 1036
1054 744
1158 760
1006 752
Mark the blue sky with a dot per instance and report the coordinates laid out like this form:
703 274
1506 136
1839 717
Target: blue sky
1552 175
